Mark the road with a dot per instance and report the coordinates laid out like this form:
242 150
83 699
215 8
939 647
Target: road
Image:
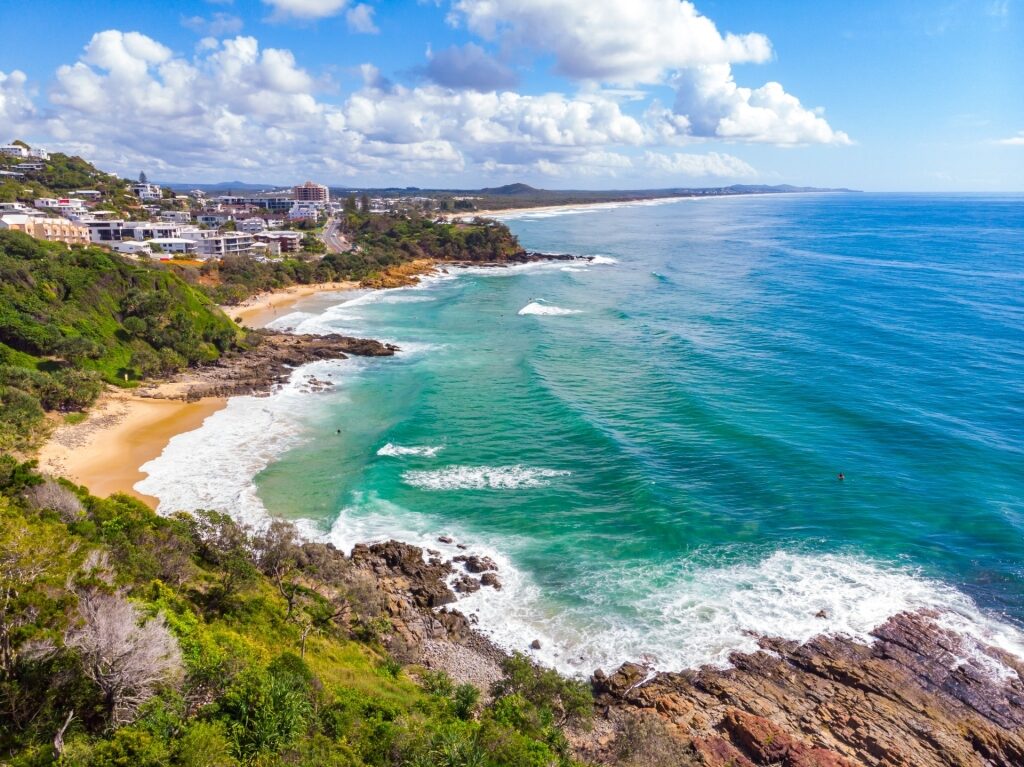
332 237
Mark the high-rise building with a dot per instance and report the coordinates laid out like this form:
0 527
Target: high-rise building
310 192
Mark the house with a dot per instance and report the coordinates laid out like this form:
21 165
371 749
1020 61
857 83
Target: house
91 194
176 216
46 228
212 219
148 230
29 167
132 248
147 191
39 154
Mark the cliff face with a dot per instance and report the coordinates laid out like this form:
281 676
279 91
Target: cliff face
919 696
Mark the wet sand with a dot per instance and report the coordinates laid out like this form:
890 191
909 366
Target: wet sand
259 310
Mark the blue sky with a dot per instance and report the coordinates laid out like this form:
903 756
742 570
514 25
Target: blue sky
898 95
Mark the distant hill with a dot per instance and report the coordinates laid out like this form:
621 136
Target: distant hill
222 187
511 189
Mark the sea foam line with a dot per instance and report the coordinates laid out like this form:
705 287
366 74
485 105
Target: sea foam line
481 477
543 310
391 449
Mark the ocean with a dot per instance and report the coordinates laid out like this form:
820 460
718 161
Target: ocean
650 443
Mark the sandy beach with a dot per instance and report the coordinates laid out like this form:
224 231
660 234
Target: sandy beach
259 310
124 430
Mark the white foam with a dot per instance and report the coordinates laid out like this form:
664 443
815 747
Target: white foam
214 466
543 310
701 615
573 269
391 449
603 260
481 477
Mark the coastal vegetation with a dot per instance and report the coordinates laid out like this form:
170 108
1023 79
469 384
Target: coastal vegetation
382 243
132 639
72 320
62 175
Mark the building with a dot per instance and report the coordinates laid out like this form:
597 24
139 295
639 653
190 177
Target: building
46 228
147 191
310 192
105 232
219 244
63 205
39 154
176 216
131 248
212 219
29 167
251 225
14 150
173 245
148 230
304 211
280 242
91 194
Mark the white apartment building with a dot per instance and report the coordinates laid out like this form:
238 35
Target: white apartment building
304 211
219 244
63 205
211 219
14 150
147 191
39 154
148 230
174 245
176 216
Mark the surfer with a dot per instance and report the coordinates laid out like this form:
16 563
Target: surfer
841 476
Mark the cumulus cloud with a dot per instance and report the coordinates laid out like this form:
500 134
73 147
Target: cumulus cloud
468 66
610 40
218 25
130 102
714 106
16 107
360 19
1017 140
306 10
698 165
656 41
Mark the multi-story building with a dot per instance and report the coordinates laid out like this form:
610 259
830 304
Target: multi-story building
176 216
45 228
280 242
210 244
310 192
147 191
14 150
173 246
212 219
39 154
105 232
251 225
63 205
148 230
29 167
304 211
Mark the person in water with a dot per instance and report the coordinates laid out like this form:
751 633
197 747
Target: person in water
841 476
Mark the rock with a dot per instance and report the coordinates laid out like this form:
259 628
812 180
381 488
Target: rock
492 580
535 644
466 585
476 564
460 546
821 614
627 676
444 539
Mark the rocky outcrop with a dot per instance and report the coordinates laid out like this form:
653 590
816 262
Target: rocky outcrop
268 362
919 696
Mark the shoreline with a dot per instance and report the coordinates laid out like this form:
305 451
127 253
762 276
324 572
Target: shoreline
260 310
123 431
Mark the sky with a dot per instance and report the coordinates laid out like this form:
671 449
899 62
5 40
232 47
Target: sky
888 95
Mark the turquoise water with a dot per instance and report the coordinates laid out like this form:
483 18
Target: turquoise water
654 456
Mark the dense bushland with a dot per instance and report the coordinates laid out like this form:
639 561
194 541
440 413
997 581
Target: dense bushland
131 639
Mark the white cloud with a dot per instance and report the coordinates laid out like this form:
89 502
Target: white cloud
714 106
308 10
1017 140
656 41
698 165
610 40
360 19
16 107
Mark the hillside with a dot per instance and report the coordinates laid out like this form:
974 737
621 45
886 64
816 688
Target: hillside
132 639
61 176
71 320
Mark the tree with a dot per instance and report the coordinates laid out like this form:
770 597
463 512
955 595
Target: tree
223 542
364 204
350 204
126 657
142 178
